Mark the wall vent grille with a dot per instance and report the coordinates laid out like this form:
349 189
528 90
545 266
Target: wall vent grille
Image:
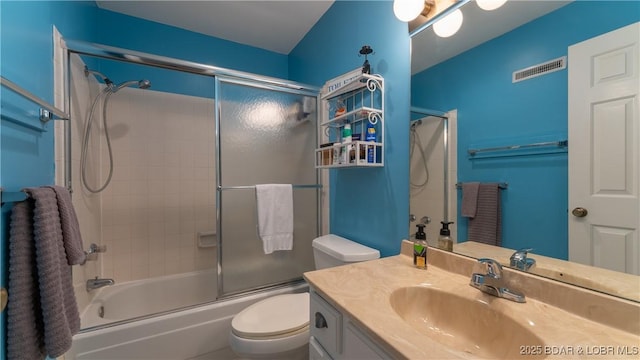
540 69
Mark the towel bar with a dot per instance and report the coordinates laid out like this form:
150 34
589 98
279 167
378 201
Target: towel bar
12 196
558 144
49 112
244 187
502 185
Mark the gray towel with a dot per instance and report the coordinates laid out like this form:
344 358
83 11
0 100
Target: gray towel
25 331
43 313
70 227
469 199
486 226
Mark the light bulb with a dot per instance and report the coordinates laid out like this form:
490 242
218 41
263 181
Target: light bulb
449 24
489 5
407 10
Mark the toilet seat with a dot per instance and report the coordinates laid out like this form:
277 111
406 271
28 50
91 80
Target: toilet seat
276 317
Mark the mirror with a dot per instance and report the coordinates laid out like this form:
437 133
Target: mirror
471 73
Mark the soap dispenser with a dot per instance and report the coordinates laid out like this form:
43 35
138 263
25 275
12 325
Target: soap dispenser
444 240
420 248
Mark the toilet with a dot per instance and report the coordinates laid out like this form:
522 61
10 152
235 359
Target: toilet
278 327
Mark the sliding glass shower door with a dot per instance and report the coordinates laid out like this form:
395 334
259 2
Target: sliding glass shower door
266 135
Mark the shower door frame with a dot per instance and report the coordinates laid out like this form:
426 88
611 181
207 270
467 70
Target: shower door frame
218 74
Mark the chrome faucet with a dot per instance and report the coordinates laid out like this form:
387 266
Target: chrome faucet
491 281
98 283
519 260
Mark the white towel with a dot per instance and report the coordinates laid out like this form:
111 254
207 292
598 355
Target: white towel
275 216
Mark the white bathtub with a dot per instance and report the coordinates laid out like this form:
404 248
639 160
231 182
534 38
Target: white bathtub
176 335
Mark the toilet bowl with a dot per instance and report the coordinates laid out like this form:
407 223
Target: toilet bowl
278 327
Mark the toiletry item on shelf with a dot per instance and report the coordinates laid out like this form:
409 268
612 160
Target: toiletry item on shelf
362 152
336 153
371 136
347 149
326 153
420 248
444 240
340 108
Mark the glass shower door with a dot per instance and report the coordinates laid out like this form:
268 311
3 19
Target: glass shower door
265 135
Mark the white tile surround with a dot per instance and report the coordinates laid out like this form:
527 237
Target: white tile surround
163 188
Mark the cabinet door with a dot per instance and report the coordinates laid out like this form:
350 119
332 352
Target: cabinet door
358 345
316 351
325 324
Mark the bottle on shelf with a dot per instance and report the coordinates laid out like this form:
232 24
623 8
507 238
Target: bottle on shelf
371 136
348 147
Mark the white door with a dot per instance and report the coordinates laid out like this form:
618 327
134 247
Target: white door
604 155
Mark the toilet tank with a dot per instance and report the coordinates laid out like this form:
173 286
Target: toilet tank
333 250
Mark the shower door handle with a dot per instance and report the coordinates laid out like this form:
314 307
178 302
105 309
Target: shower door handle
321 322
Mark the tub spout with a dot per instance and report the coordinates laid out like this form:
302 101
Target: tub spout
98 283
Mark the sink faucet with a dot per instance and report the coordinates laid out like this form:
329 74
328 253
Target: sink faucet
491 281
98 283
520 261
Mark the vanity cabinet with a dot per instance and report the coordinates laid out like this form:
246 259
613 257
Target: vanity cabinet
357 100
335 336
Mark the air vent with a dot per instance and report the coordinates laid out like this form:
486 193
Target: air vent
540 69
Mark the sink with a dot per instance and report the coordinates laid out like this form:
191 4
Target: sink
469 325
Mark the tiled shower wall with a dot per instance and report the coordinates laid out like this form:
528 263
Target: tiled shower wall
163 189
162 193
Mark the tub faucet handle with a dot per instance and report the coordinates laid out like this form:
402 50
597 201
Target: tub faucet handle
94 250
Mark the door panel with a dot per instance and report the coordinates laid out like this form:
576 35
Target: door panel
604 154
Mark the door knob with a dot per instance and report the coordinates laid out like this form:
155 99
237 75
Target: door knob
579 212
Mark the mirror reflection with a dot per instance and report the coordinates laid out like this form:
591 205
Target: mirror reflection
559 200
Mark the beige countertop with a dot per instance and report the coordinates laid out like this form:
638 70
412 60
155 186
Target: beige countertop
608 281
570 321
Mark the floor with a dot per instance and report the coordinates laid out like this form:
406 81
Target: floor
222 354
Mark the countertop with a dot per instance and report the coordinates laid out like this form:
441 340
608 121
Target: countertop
362 292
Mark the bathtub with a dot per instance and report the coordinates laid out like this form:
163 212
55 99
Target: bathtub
174 334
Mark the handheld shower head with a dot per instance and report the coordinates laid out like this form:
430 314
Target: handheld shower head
142 84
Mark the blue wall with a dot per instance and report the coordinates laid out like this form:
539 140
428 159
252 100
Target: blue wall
370 205
26 51
494 111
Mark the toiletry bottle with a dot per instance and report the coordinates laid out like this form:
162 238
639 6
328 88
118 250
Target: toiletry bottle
371 136
420 248
346 139
444 240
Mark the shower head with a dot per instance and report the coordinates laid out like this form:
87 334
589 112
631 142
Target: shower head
106 80
142 84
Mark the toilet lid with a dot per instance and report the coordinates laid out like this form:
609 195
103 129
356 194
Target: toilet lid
277 315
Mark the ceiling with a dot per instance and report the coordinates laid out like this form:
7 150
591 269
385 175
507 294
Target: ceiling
277 26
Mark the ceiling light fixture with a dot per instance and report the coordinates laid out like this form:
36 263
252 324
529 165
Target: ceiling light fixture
407 10
448 25
489 5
